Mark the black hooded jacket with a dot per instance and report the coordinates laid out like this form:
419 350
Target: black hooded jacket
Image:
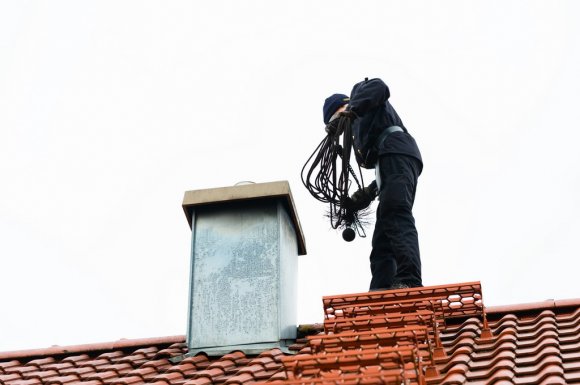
369 101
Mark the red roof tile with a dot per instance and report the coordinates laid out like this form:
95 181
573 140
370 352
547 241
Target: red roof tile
79 372
34 381
41 374
5 378
60 380
369 338
75 360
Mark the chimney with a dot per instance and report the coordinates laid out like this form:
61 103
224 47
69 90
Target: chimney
244 260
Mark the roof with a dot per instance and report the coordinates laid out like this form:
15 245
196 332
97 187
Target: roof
366 338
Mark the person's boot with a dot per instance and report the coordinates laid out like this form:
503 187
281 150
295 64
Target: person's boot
399 285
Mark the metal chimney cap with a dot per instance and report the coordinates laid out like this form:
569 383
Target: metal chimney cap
255 191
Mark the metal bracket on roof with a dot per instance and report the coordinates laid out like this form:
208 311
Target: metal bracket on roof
391 334
459 300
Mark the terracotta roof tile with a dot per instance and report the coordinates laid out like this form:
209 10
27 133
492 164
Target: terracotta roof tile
128 380
20 369
159 365
187 369
5 378
571 350
103 376
61 380
135 360
33 381
94 363
170 378
59 366
255 370
549 374
148 351
224 364
170 352
267 362
145 373
8 364
275 354
237 355
80 372
42 361
524 344
457 378
121 368
571 365
568 334
199 381
240 379
278 376
209 373
572 377
40 374
77 360
112 356
200 361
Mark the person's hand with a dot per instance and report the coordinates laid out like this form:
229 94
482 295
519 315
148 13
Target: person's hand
332 127
344 118
362 198
348 114
372 189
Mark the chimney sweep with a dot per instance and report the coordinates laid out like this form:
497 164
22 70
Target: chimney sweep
374 131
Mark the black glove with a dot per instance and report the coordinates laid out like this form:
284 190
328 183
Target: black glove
373 189
362 198
332 127
348 114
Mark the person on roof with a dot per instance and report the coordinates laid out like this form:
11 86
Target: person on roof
382 142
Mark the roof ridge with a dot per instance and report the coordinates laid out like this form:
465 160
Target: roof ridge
534 306
93 347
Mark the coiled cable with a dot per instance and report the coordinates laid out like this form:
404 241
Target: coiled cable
328 179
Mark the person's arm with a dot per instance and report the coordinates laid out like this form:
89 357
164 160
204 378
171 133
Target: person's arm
367 95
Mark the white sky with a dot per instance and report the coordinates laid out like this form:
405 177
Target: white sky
110 111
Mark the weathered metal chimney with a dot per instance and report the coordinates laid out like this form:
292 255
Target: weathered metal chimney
244 257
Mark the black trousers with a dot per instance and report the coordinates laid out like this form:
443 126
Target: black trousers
395 257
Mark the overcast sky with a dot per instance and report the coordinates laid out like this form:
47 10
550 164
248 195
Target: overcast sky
111 110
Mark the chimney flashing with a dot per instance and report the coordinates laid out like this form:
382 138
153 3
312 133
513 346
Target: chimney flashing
247 349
